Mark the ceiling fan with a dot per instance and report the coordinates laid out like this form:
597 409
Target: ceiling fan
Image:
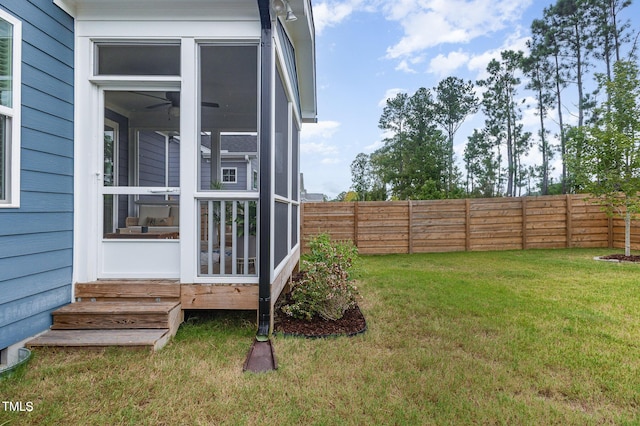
172 100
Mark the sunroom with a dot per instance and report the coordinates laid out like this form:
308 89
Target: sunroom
188 119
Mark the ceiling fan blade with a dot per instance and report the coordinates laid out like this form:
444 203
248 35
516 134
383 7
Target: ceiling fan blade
158 105
151 96
210 104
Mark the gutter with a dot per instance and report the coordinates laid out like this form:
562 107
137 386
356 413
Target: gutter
266 76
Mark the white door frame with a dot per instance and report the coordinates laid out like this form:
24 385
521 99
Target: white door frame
118 258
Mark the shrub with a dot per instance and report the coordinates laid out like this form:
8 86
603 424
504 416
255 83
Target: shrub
325 288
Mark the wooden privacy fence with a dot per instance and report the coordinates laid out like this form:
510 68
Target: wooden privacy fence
562 221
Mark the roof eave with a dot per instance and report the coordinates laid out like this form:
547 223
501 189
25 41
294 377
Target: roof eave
302 32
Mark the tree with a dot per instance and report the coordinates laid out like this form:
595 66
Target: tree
609 32
390 161
482 164
502 113
411 161
364 180
611 147
455 101
544 31
539 69
361 175
574 26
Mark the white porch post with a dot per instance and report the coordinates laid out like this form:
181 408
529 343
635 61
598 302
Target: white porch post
189 158
86 178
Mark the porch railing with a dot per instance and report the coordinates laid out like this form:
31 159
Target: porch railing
228 232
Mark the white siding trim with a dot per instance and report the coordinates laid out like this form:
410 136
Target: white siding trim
13 114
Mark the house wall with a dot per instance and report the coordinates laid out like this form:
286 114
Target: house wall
36 238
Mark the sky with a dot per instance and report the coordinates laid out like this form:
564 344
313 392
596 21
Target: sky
368 51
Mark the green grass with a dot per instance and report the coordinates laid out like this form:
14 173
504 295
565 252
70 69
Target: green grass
522 337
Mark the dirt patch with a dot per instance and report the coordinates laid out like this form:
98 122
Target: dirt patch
350 324
620 258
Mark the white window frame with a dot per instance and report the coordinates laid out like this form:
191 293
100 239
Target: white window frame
12 152
235 174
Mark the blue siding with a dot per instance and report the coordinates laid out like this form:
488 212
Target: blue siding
25 244
174 163
36 240
41 302
25 327
151 159
57 145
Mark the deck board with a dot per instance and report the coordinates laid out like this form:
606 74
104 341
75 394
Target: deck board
118 307
114 315
118 290
212 296
141 338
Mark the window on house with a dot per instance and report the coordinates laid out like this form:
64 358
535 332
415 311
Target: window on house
10 58
138 59
229 175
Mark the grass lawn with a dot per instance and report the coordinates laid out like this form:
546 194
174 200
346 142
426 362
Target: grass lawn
519 337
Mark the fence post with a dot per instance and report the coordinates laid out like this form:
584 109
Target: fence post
569 220
467 231
523 201
410 227
355 223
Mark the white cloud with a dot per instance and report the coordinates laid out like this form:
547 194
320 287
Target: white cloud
321 129
318 148
429 23
316 139
423 30
478 63
404 66
331 13
445 65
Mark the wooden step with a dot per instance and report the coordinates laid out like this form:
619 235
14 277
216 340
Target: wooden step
136 290
118 315
143 339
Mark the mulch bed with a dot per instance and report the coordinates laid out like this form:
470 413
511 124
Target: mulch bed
621 258
350 324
